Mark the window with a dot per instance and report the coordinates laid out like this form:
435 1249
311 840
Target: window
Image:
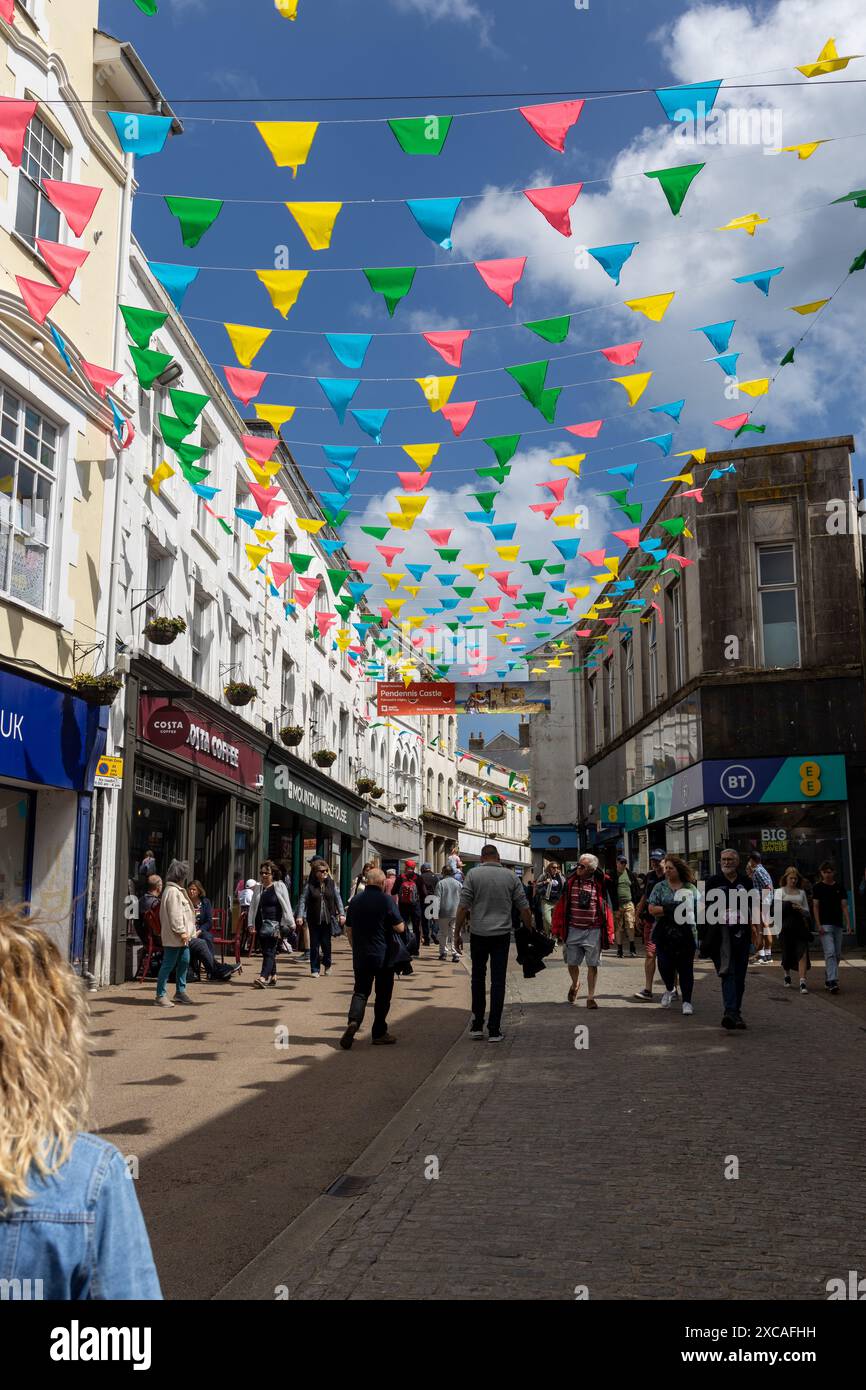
204 522
157 580
161 406
343 748
240 563
653 662
43 159
287 690
450 807
28 466
675 596
290 545
237 653
440 792
777 594
595 713
429 801
199 644
452 726
611 696
627 650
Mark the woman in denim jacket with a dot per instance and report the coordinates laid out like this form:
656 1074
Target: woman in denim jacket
70 1224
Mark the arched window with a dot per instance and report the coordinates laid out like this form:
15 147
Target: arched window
373 751
450 807
452 724
412 797
429 802
440 792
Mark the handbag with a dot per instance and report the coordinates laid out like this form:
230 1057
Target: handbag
397 953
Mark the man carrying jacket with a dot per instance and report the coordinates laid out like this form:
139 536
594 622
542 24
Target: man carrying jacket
730 928
372 919
583 921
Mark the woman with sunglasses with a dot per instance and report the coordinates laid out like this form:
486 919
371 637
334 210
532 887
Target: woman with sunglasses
672 904
272 914
321 907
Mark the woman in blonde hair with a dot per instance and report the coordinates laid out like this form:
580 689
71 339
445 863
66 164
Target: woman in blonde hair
70 1223
796 927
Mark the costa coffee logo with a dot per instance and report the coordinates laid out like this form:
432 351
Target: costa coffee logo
168 728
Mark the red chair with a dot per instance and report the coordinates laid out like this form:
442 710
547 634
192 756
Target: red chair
219 937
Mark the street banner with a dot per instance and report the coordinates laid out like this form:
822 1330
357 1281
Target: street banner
512 697
432 697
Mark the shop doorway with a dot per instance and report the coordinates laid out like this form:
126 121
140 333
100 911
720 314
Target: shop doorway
212 846
16 845
156 834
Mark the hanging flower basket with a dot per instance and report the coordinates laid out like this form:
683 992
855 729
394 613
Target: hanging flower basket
163 631
291 735
324 757
239 693
377 792
97 690
365 785
399 807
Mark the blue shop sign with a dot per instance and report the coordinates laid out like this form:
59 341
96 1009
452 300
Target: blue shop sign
553 837
806 777
47 735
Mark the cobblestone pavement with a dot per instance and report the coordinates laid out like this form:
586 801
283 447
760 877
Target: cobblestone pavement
605 1167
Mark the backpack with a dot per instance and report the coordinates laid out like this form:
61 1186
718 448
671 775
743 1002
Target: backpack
408 893
152 922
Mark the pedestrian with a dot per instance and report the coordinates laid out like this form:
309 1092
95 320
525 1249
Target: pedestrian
549 889
390 878
455 863
764 884
201 946
147 866
730 928
177 927
407 891
646 924
830 906
321 908
271 914
447 901
489 893
361 880
429 924
70 1223
796 927
374 927
583 922
628 895
148 903
672 903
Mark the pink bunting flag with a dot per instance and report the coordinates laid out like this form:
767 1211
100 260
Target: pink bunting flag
500 577
414 482
389 551
386 615
595 557
459 414
76 201
262 450
64 262
733 422
493 602
417 639
439 537
244 383
588 430
555 204
584 632
15 117
280 572
557 487
100 378
630 537
512 590
693 492
625 355
546 508
570 601
660 613
360 566
502 276
324 621
497 622
553 121
681 560
610 622
40 299
267 498
449 345
7 10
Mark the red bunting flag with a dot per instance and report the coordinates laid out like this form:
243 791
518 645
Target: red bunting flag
280 572
267 498
625 355
555 204
324 621
733 422
244 383
693 492
458 414
262 450
502 276
588 430
360 566
557 487
76 201
389 551
553 121
15 117
40 299
629 537
413 482
439 537
64 262
449 345
595 557
681 560
7 10
494 602
101 379
546 508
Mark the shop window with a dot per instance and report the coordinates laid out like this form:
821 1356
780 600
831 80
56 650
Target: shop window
777 606
16 822
159 786
43 159
627 651
28 465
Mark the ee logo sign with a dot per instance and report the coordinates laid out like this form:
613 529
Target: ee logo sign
810 779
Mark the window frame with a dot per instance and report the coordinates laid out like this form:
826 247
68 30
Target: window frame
653 662
26 179
612 695
627 650
678 625
199 651
49 474
789 586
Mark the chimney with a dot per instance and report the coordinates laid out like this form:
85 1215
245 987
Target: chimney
476 743
523 733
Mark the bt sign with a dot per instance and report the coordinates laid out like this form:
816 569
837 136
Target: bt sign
737 782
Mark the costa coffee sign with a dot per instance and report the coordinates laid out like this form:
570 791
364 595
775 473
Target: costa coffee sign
194 738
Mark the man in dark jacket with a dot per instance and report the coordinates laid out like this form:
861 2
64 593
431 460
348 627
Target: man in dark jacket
732 924
372 918
428 885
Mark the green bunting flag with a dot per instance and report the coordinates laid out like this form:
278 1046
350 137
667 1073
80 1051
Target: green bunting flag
619 495
535 565
189 453
141 324
858 198
534 600
191 473
859 263
377 532
466 591
500 472
555 569
789 355
195 215
173 431
548 403
552 330
750 429
300 563
449 556
504 446
392 282
530 377
148 7
188 406
421 134
486 500
675 526
633 510
675 183
229 530
148 365
335 519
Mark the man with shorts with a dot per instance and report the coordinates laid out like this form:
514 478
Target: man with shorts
583 921
647 923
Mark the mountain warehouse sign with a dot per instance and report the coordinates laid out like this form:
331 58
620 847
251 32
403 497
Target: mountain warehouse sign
284 788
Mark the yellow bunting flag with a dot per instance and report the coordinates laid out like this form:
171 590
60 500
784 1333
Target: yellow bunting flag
571 520
758 387
256 553
422 455
392 579
803 151
275 415
394 605
604 603
283 286
412 506
612 563
478 608
316 221
571 461
652 306
579 590
554 665
287 8
508 552
288 141
699 455
403 521
828 61
246 342
478 570
263 472
311 527
747 223
413 589
264 535
687 478
437 389
812 308
634 386
160 475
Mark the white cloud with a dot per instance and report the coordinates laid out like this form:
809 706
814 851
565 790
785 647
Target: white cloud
460 11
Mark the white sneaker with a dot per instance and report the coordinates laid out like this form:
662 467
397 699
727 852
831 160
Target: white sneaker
327 969
675 994
687 1010
667 999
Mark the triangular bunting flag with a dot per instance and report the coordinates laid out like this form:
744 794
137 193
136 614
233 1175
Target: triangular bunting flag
553 121
283 287
195 215
449 344
555 204
77 202
501 276
288 141
316 221
246 341
675 183
392 282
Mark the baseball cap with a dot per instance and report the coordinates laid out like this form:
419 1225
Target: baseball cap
425 865
657 854
251 883
410 863
622 859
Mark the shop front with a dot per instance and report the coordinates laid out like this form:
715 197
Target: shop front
392 841
553 843
307 816
50 745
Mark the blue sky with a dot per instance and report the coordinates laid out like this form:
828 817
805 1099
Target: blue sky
223 50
